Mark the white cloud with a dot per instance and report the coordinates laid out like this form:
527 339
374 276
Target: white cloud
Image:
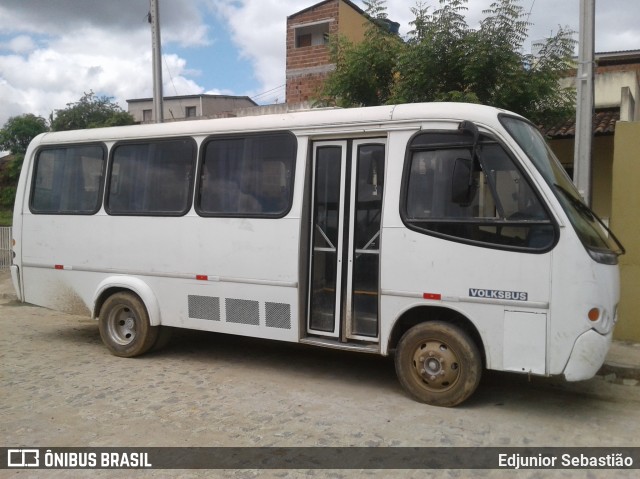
105 48
48 78
181 20
20 44
54 51
258 28
174 77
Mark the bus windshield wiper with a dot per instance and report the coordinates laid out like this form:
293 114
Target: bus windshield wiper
591 215
578 204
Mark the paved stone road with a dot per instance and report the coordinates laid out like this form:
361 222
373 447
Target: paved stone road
59 386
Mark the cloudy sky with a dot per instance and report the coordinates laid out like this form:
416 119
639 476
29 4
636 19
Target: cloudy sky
52 51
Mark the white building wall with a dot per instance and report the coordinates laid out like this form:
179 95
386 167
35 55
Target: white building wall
608 87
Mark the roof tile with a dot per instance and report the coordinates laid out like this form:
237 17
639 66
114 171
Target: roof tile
604 123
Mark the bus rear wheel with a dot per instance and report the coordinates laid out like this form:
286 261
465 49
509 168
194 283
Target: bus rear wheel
124 325
438 363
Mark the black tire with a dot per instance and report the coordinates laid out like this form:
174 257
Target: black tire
124 325
438 363
164 336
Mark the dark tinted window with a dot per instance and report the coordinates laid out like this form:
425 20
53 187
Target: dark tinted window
247 176
151 178
486 199
68 180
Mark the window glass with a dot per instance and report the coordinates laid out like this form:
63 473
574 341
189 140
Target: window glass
151 178
326 220
247 176
587 225
486 199
68 180
366 239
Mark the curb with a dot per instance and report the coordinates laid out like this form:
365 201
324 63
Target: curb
613 371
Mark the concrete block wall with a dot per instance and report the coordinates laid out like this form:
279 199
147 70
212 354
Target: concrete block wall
625 223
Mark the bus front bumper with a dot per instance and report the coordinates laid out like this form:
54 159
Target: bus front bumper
588 355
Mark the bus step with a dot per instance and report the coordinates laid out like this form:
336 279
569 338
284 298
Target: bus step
334 344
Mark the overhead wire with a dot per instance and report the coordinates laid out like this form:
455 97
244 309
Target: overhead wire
273 92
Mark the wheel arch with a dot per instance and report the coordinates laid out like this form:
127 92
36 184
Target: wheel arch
116 284
424 313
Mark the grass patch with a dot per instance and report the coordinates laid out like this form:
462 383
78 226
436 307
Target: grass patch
6 217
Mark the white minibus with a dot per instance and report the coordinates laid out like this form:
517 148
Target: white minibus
445 234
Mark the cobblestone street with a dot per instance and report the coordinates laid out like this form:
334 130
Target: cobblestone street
61 387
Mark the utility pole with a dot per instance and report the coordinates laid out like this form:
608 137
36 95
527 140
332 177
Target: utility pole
154 20
584 107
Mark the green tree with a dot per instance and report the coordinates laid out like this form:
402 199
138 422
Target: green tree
431 68
364 71
90 111
18 131
500 74
15 136
444 59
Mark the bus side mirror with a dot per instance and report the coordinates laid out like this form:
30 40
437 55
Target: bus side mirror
463 188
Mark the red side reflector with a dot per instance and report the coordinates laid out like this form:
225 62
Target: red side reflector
436 296
202 277
59 266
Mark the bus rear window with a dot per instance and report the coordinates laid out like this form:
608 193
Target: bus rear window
68 180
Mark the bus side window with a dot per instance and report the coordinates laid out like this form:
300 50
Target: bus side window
151 178
247 176
68 180
504 211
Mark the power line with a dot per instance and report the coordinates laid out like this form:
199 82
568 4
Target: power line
530 10
268 92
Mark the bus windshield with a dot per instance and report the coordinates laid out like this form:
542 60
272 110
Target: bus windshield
598 240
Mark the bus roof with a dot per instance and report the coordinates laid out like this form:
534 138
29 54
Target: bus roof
331 119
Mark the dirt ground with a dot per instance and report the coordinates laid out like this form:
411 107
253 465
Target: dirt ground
59 386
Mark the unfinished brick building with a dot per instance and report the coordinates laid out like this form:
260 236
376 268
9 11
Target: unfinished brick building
308 33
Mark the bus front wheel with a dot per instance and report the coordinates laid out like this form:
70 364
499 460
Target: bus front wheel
438 363
124 326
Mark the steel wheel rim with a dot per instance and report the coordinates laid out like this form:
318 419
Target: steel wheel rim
436 365
122 325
